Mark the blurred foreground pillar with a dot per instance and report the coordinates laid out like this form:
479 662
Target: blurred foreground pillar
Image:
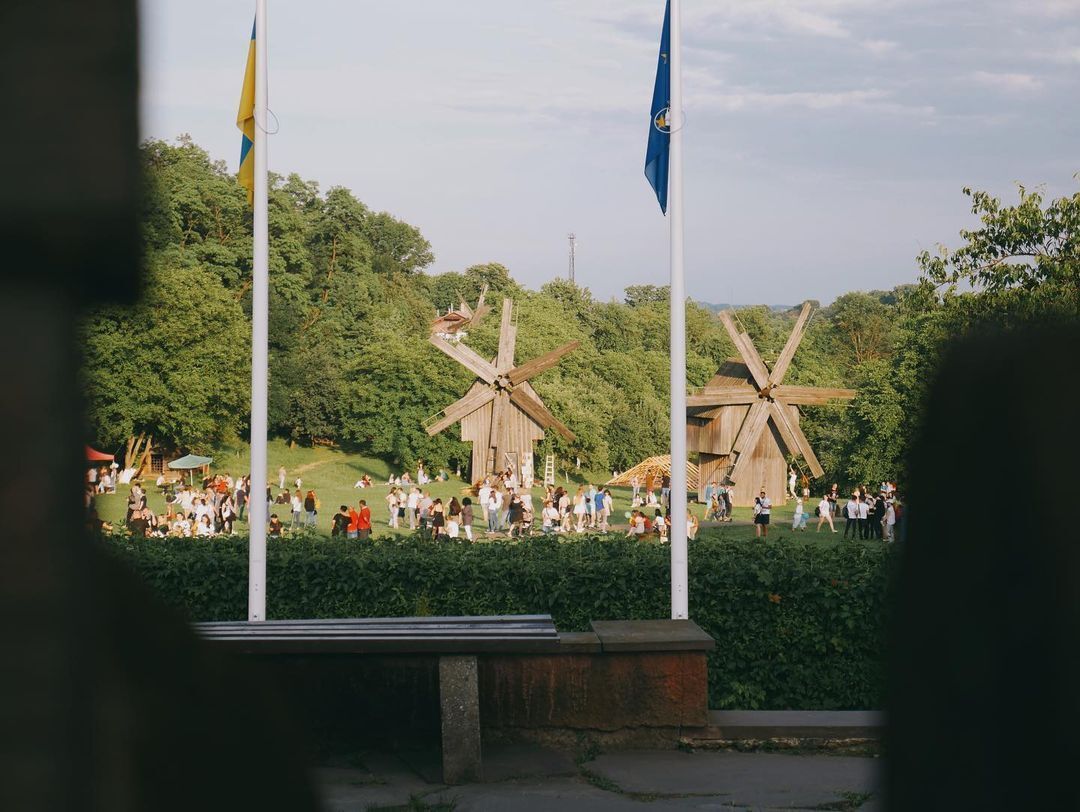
68 233
984 659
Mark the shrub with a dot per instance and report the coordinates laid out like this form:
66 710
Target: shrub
798 624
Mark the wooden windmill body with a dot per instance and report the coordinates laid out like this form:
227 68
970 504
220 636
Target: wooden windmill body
501 414
744 424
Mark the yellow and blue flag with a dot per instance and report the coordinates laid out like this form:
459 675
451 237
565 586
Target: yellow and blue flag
245 120
656 153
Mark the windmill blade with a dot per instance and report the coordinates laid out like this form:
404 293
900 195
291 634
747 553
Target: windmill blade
539 412
467 358
811 395
723 396
747 350
793 437
530 369
754 422
507 338
796 337
499 414
461 408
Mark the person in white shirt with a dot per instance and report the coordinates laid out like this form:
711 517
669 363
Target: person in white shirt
798 521
890 521
825 513
762 515
296 503
851 513
494 500
483 497
864 518
411 506
549 517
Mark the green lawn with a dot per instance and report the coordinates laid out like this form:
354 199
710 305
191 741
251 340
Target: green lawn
332 473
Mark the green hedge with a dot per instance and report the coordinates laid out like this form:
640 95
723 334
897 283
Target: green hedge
798 624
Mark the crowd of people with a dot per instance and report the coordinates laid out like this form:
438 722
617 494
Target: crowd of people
867 515
497 503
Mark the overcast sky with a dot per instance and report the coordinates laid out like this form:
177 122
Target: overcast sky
827 141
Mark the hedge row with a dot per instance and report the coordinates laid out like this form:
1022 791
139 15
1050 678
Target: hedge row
797 624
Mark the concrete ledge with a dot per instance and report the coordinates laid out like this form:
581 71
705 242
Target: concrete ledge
579 643
765 725
652 635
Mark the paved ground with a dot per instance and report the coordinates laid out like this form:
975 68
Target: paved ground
532 779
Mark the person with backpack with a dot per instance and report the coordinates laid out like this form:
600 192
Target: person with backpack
824 512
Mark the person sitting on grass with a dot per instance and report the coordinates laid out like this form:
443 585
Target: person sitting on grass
691 525
660 526
205 528
275 527
549 518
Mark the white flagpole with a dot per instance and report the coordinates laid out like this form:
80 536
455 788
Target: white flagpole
677 496
257 517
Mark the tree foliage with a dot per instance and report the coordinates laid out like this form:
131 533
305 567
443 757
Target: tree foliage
350 309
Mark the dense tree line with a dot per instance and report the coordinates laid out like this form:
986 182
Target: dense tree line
350 308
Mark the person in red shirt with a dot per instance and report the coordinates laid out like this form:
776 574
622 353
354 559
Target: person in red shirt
363 521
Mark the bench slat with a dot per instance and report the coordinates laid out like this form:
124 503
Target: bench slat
434 635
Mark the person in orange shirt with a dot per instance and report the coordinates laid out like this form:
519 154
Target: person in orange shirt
363 521
353 527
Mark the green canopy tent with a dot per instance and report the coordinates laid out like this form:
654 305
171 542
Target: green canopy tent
189 463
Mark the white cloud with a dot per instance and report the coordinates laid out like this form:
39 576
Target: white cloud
1008 82
879 47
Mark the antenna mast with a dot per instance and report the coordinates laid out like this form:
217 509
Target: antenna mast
572 237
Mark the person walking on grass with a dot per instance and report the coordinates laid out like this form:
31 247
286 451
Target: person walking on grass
412 507
392 509
311 507
762 515
825 513
798 521
890 521
467 517
281 478
297 506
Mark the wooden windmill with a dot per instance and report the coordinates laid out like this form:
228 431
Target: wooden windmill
451 324
744 424
501 414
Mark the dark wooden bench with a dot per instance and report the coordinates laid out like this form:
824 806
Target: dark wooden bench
454 640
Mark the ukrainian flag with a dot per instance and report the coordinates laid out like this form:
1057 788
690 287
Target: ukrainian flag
245 120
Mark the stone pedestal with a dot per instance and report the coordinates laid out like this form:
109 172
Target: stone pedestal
459 699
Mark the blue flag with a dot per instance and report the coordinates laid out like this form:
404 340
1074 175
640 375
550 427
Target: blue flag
656 154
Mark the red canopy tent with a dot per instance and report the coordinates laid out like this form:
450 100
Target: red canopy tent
97 456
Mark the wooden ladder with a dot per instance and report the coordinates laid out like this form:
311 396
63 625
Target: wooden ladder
549 470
